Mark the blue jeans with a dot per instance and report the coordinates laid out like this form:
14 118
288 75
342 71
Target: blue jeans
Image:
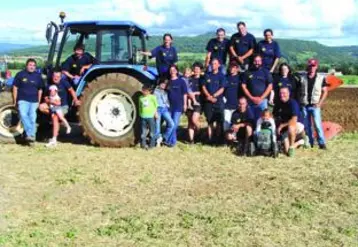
313 113
258 109
145 123
172 140
163 112
28 116
222 69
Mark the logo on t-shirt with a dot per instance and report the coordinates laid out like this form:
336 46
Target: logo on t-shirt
215 47
280 84
208 80
145 102
237 41
24 80
263 49
238 121
74 65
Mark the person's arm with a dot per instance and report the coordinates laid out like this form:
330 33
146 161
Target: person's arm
74 96
39 95
277 60
207 59
267 92
152 53
273 125
277 57
272 96
258 125
252 49
56 101
219 92
14 94
175 59
246 91
323 95
66 73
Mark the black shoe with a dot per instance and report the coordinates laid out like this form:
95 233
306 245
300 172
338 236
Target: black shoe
30 139
323 146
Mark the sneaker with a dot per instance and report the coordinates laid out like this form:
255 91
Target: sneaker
68 131
301 142
323 146
30 139
51 143
307 142
196 104
159 141
291 152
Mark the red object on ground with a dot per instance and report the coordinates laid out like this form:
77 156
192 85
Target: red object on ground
330 130
333 82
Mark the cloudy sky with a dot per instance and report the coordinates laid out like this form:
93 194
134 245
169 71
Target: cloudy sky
333 22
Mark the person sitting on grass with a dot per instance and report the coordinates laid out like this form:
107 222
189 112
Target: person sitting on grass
242 124
148 113
54 103
290 127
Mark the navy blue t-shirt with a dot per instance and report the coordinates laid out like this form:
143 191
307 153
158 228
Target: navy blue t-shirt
283 112
28 85
73 65
247 117
232 92
219 50
63 86
257 81
213 83
165 57
290 82
195 85
176 91
269 52
242 44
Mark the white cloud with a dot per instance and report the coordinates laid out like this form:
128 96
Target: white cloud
332 22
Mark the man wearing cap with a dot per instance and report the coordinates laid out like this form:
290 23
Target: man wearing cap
257 85
218 48
313 94
75 66
242 46
231 94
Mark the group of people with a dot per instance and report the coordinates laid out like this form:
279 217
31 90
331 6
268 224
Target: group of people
238 90
234 88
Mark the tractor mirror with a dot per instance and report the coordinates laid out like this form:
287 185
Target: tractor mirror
49 31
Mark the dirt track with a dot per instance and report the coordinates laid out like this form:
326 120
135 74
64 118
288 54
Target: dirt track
342 107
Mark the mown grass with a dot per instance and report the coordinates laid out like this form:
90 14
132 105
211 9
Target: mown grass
350 79
79 195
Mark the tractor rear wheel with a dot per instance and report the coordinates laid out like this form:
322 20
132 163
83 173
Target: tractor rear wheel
108 113
10 125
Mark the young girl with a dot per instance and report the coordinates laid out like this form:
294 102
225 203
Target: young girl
54 102
191 97
266 121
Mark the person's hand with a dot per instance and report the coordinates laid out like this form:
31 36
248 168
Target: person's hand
256 100
185 107
214 100
317 105
279 129
156 115
235 127
77 102
240 59
271 102
77 76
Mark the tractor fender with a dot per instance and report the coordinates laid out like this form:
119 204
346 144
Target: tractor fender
141 72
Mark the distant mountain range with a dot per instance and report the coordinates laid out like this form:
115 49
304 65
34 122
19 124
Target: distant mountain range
297 51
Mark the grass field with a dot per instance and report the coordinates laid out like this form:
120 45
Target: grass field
350 79
78 195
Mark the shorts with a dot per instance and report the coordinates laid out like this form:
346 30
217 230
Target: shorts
59 109
213 114
299 131
196 108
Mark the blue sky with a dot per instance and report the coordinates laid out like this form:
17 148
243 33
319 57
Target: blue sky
328 22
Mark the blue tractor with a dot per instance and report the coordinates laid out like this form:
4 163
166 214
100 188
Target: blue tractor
108 91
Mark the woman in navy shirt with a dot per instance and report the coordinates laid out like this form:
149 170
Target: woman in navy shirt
165 55
269 51
285 78
177 94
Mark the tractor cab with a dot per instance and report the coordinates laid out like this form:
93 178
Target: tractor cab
110 42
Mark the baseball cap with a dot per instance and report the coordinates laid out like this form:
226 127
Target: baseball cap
312 62
53 88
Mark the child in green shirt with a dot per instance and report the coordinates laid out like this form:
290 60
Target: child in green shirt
148 113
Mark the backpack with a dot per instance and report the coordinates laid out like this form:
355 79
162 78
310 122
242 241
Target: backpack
264 142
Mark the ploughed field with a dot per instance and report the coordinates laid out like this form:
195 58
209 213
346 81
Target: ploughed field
342 107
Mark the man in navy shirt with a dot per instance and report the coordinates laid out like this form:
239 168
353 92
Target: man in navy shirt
213 88
76 65
165 55
257 85
242 124
269 50
290 124
242 46
218 48
27 93
231 94
64 91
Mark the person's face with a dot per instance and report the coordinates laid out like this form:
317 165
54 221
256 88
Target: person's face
163 86
173 72
220 35
215 64
242 29
56 77
197 71
145 92
266 117
312 69
284 94
79 52
187 73
268 36
167 41
31 67
234 70
285 70
258 62
242 105
53 93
